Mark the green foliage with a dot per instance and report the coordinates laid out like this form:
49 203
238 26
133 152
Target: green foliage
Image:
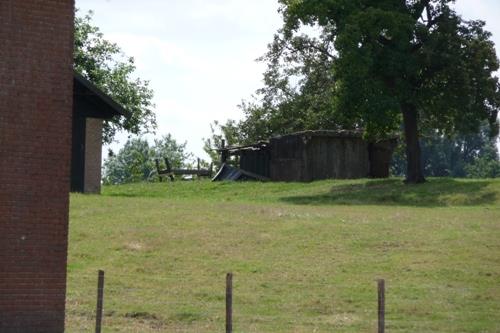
299 89
463 155
176 153
298 93
229 132
104 64
136 160
380 65
483 167
414 58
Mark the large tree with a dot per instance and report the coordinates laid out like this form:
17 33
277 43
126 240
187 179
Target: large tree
414 62
104 64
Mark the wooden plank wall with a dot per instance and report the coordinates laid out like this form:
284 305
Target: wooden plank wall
308 158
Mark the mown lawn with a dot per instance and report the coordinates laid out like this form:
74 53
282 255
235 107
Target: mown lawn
305 257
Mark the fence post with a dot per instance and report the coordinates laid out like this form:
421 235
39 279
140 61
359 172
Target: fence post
100 294
229 303
223 152
381 305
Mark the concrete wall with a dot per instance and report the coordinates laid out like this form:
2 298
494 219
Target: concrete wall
36 83
93 155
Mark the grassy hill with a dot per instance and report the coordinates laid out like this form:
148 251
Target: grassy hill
305 257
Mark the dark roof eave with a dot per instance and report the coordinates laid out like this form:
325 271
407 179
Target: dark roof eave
117 108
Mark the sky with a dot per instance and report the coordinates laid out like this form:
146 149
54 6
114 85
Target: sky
200 55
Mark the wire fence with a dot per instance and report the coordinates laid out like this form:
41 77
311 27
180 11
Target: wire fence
281 303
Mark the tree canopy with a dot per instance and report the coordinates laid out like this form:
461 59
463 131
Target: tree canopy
380 65
104 64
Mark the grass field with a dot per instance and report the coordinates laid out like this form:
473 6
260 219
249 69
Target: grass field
305 257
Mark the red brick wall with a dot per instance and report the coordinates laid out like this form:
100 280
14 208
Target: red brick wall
35 139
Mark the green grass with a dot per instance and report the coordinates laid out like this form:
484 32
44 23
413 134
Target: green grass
305 257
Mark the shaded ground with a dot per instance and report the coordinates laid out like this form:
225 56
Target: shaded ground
435 193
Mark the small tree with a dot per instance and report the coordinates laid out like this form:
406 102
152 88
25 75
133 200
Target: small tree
168 147
229 132
136 160
104 64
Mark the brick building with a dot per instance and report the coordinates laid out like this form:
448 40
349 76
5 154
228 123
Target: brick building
36 91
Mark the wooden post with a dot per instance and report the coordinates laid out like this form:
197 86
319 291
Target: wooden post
169 169
167 165
381 305
100 294
157 162
229 303
198 168
223 152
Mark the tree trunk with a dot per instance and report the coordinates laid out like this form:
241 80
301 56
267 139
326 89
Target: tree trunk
414 172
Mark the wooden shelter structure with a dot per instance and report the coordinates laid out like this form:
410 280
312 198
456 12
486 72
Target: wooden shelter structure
314 155
90 107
